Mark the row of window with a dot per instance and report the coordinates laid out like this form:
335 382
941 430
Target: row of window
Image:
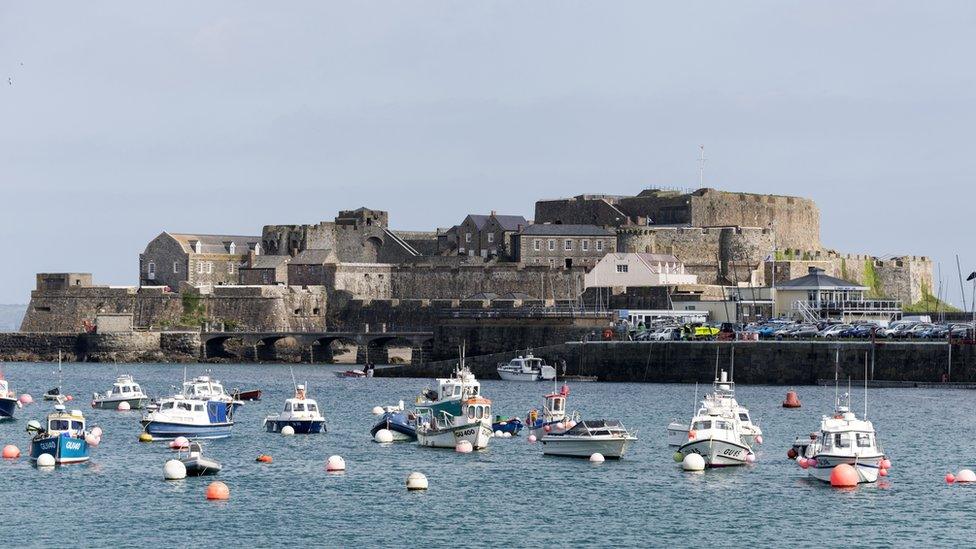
202 267
467 238
567 245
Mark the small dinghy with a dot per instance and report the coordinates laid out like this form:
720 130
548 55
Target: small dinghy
247 396
402 424
197 465
511 425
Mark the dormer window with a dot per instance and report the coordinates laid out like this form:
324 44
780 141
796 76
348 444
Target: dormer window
232 249
255 247
197 246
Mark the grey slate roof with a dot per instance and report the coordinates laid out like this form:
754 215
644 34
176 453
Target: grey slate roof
546 229
511 222
313 257
269 261
818 279
217 243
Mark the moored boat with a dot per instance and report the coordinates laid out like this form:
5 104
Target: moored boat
843 438
441 429
400 423
553 417
595 436
715 436
300 413
63 437
206 387
196 464
179 416
247 396
721 397
8 401
526 368
510 425
125 389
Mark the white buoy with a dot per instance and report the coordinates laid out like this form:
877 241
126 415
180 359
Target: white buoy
124 406
288 430
693 462
499 434
532 438
174 470
464 447
966 475
377 410
45 460
597 458
383 436
506 434
335 464
416 481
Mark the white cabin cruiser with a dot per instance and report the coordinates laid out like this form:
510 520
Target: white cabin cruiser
179 416
300 413
603 436
716 437
526 368
844 439
722 397
207 388
442 429
125 389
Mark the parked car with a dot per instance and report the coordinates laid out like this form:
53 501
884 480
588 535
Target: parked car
665 334
804 331
918 330
834 332
896 329
862 331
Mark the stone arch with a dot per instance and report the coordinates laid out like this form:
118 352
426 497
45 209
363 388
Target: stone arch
371 249
325 349
217 347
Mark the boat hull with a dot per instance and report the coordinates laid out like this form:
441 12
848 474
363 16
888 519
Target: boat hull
201 466
867 467
513 426
478 434
64 449
519 376
584 447
164 430
8 406
397 424
301 426
717 452
108 404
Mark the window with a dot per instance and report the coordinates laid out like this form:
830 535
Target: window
198 407
743 416
585 245
552 263
230 267
702 425
311 407
299 407
288 406
491 237
467 237
599 245
257 248
568 245
232 248
199 267
622 267
210 267
537 244
176 267
842 440
151 269
126 389
863 440
552 244
166 406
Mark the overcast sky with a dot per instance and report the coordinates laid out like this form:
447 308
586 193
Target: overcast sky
121 120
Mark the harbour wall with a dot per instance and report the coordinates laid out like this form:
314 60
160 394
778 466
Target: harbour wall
763 363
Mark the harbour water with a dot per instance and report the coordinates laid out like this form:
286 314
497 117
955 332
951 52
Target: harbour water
508 495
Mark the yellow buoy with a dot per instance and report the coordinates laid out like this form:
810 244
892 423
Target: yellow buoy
145 437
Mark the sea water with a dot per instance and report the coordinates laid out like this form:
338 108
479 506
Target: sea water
507 495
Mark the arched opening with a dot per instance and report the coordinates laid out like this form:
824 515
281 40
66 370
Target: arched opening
371 249
333 350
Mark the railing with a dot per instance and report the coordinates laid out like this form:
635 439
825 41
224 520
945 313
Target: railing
852 306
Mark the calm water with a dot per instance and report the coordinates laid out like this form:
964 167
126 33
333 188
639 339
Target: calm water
508 495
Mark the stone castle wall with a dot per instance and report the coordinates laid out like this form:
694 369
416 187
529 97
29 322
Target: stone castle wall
906 278
436 282
716 254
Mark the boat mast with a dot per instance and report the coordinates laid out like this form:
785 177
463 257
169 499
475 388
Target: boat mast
836 380
59 371
865 385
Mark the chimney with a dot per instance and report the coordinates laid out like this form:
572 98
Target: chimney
494 213
250 258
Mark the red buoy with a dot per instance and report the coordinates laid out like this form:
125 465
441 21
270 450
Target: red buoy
791 453
792 401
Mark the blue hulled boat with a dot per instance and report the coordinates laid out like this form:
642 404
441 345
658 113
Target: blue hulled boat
402 424
178 416
512 425
300 413
8 401
63 438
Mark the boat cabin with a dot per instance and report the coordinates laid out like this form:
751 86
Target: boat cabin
598 427
179 404
457 388
61 421
204 388
477 409
296 406
5 389
124 386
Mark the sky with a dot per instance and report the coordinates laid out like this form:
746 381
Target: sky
120 120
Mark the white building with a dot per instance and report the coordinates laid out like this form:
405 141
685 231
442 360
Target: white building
636 270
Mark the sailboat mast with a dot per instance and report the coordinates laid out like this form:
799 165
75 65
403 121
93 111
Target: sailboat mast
836 379
865 384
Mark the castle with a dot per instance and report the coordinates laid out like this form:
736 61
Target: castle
308 276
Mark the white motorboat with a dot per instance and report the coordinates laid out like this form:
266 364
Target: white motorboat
300 413
196 464
205 387
526 368
604 436
844 439
441 429
722 396
178 416
125 389
715 436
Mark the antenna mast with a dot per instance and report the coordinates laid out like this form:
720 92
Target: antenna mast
701 166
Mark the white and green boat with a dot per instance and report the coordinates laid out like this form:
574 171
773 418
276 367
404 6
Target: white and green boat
125 389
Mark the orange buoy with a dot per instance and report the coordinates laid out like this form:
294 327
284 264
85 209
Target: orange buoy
264 458
11 452
843 476
792 401
218 491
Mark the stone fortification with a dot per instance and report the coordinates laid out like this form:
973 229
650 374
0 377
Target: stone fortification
436 282
243 307
796 221
905 278
718 255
